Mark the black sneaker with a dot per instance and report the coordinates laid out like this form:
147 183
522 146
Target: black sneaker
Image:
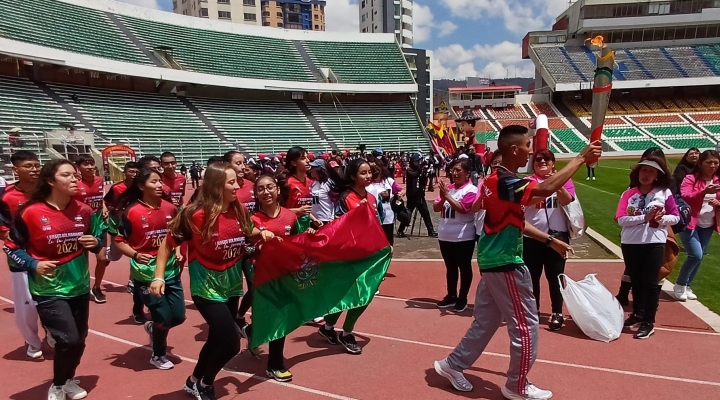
350 344
244 329
191 387
447 302
329 334
280 375
631 321
432 234
98 295
401 234
556 322
460 305
645 331
205 392
140 319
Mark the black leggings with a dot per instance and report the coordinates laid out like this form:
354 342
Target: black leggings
389 230
458 256
67 322
538 256
223 342
643 263
249 274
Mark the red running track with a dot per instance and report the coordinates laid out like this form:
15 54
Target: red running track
402 333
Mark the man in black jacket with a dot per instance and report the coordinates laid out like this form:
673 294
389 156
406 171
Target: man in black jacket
416 196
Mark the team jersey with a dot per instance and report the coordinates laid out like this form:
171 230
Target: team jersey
504 197
44 233
10 202
144 228
110 198
175 187
246 195
299 193
91 193
284 224
215 272
350 200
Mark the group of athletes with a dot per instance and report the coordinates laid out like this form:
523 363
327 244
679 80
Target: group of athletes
58 212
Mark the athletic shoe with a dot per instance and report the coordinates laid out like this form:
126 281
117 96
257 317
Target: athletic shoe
205 392
246 331
319 320
191 387
680 292
350 344
556 322
56 393
401 234
587 179
130 286
432 234
98 295
593 178
456 378
532 393
161 362
329 334
460 305
32 352
447 302
149 330
73 391
690 294
645 331
50 339
140 319
280 375
631 321
377 292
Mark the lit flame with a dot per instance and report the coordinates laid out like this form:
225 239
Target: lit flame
597 41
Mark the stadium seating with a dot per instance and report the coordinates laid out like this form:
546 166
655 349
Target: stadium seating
686 143
635 144
570 139
509 112
659 119
544 108
361 62
391 126
151 123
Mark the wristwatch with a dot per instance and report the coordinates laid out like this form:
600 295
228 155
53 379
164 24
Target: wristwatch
549 240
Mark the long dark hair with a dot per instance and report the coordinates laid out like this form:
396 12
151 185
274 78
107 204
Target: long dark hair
653 152
384 172
339 183
322 174
43 188
698 167
663 179
134 192
294 154
684 162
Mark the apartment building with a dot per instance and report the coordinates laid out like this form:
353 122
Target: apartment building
388 16
287 14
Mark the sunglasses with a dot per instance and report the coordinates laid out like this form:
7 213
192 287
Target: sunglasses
543 159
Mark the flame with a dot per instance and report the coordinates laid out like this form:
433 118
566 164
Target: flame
597 41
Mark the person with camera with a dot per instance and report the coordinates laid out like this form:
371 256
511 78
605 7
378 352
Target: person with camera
416 196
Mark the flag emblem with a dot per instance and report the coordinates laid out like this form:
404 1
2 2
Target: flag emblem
307 275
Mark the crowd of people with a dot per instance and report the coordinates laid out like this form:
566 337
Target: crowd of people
57 213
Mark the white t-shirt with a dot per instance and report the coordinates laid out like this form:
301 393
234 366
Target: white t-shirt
631 212
322 207
377 188
706 218
548 214
454 226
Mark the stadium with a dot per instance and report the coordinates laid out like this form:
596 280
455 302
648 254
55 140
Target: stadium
157 81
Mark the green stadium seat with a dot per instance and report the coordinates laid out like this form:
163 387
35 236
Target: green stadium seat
361 62
571 140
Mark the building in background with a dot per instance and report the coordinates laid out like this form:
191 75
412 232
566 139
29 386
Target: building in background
388 16
287 14
419 62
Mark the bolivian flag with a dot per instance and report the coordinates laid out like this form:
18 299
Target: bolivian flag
310 275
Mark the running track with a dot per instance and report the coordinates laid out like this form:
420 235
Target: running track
402 334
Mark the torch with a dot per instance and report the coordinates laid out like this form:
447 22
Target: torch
602 86
541 139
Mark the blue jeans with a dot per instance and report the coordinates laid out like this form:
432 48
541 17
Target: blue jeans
695 243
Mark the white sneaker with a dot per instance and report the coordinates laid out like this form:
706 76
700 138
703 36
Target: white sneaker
533 393
161 362
587 179
378 292
593 178
73 391
56 393
690 294
456 378
680 292
319 320
32 352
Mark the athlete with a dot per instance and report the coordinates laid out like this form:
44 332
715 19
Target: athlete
215 227
295 185
26 167
173 183
90 192
50 238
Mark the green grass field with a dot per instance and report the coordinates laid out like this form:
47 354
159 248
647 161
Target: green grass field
599 200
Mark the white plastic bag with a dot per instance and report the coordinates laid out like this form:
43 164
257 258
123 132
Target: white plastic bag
593 308
576 218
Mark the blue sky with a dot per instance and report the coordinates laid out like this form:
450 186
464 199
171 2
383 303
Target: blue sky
467 37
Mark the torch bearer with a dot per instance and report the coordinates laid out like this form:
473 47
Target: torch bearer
602 86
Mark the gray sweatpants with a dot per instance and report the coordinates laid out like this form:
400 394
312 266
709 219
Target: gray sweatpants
501 295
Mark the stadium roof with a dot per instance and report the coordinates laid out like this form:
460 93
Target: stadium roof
485 88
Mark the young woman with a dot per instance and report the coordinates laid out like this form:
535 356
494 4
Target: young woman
295 184
281 222
142 228
685 167
323 206
548 217
50 239
700 190
215 227
383 187
456 234
352 194
645 212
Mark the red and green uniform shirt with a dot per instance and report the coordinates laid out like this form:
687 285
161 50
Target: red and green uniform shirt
350 200
299 196
175 187
283 225
246 195
504 197
44 233
215 271
91 193
110 198
143 228
10 202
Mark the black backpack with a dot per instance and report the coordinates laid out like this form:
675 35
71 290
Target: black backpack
684 212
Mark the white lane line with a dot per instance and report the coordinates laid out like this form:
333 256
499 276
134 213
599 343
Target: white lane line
599 190
194 361
474 261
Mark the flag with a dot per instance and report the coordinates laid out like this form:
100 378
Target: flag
310 275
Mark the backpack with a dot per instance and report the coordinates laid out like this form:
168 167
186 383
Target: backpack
684 212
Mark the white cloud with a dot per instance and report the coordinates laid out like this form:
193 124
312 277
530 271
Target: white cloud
446 28
144 3
425 25
342 16
519 16
498 61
